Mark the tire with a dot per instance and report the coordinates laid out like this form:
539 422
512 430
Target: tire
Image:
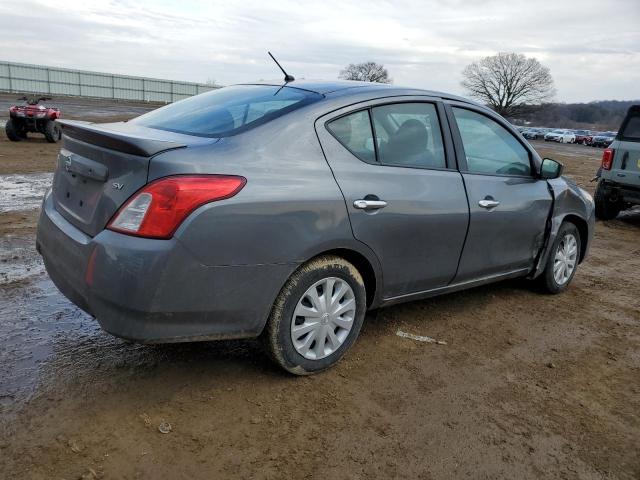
549 282
605 208
12 130
295 297
52 131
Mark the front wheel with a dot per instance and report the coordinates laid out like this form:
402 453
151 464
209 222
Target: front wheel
13 131
563 260
317 316
52 131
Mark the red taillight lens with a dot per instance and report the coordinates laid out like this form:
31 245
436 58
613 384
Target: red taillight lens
607 158
159 208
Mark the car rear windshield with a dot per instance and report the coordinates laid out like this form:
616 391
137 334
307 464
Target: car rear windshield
227 111
630 130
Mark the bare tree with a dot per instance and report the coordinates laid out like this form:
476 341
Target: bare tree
507 82
366 72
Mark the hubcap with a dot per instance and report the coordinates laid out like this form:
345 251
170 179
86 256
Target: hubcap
323 318
565 260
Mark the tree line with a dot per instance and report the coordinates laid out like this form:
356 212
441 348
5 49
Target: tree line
520 89
601 115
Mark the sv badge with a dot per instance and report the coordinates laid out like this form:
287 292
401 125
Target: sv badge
117 186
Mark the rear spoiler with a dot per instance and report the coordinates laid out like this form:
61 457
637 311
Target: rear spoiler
101 136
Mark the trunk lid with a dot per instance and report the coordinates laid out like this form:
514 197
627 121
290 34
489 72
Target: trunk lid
101 165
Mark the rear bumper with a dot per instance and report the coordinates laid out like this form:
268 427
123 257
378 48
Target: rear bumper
626 193
155 291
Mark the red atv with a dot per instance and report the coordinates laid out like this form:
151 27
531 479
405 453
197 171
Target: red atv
32 117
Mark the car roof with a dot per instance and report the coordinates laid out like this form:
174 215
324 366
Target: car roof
346 87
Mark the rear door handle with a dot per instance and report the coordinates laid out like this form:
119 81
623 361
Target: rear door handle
488 203
369 204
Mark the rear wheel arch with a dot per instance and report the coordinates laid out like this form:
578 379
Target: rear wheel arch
362 264
583 230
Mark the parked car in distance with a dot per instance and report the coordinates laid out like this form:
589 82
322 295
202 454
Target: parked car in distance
603 139
273 211
560 135
532 134
568 137
552 135
593 136
582 136
619 174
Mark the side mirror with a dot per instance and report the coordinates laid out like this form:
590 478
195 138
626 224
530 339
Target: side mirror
550 169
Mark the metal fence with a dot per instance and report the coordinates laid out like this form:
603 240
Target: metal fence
25 78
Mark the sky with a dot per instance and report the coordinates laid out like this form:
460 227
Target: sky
591 47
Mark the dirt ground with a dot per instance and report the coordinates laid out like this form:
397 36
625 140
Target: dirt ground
527 386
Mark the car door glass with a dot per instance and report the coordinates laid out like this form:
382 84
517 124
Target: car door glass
354 132
632 128
489 147
408 134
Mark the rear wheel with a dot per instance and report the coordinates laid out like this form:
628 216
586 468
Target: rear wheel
563 260
52 131
13 130
317 316
606 208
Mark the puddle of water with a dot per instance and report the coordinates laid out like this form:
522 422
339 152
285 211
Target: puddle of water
18 259
48 346
23 191
33 318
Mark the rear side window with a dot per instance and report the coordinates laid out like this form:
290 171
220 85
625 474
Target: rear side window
630 130
227 111
489 147
354 132
408 134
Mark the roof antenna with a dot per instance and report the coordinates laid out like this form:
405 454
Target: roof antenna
287 77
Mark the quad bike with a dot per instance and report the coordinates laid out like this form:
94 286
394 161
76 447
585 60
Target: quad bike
35 118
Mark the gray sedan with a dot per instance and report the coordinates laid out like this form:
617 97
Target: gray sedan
287 211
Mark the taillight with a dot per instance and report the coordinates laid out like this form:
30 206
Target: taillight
607 158
158 209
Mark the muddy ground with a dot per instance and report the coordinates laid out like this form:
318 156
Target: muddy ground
527 386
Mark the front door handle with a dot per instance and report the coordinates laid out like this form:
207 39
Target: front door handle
488 203
369 204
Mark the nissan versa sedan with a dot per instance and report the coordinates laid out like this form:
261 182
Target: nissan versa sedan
287 211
